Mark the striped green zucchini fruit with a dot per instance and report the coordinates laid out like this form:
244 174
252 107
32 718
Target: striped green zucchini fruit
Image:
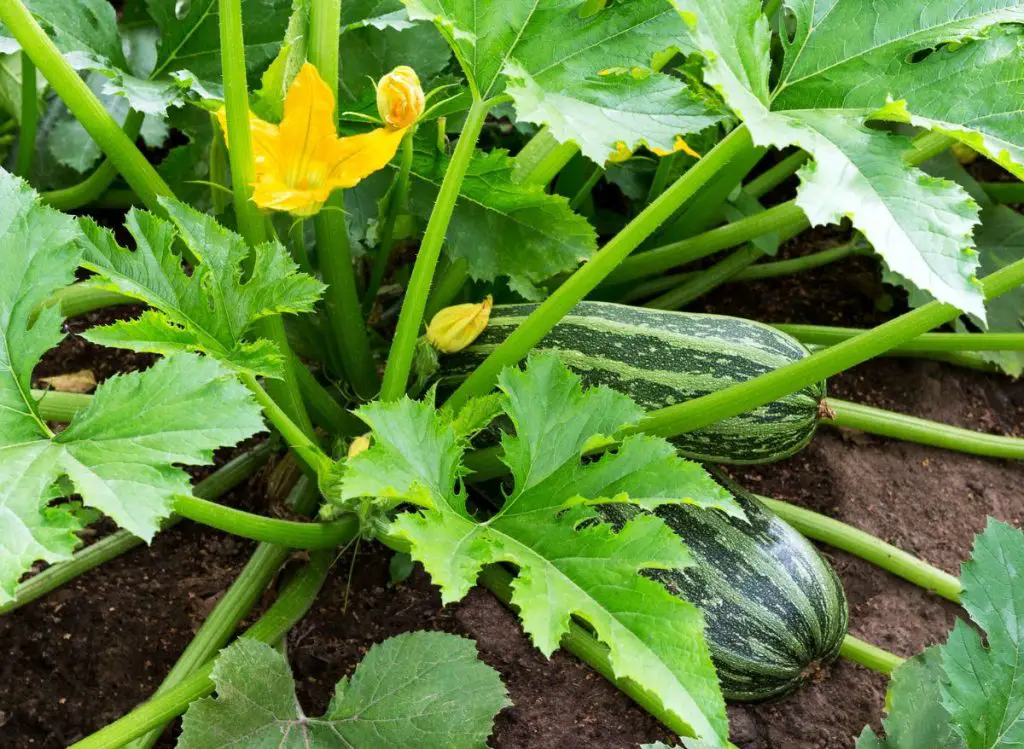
774 609
660 358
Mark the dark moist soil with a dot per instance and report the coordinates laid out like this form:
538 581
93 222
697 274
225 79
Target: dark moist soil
87 653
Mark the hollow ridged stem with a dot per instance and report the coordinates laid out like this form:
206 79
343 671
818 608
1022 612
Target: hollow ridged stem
328 412
291 605
29 118
251 222
234 606
826 335
583 281
739 398
223 480
757 272
587 187
403 347
451 280
1004 192
542 158
84 105
341 300
869 656
93 188
774 176
79 298
397 201
271 530
704 281
922 431
869 548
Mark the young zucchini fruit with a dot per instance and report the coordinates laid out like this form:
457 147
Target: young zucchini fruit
774 609
660 358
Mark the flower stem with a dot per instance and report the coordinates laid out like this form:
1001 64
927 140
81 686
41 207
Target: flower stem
451 280
869 656
922 431
398 198
581 283
220 482
396 375
542 158
587 187
867 547
341 300
1004 192
84 105
29 118
251 222
291 605
825 335
739 398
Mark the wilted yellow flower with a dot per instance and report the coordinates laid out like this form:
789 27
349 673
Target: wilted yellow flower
400 98
359 445
301 161
454 328
622 152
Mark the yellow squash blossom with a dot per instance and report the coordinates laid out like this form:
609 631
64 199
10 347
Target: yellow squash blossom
359 445
301 161
400 99
454 328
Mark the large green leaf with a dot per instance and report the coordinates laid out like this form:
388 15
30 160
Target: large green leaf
569 563
209 310
120 453
917 719
551 53
421 690
844 61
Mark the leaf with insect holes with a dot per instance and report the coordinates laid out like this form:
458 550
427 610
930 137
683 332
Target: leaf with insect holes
120 453
569 563
210 310
916 718
501 228
574 71
419 690
845 64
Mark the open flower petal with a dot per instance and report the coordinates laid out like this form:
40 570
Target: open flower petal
358 156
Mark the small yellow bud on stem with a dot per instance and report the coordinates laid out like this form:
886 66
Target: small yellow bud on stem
400 99
455 328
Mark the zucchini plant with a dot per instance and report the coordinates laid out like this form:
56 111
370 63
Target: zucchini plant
312 215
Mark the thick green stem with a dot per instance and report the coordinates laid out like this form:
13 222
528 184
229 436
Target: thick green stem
1004 192
220 482
79 298
825 335
742 397
912 429
396 375
588 649
84 105
296 437
29 118
542 158
587 187
867 547
290 606
704 281
774 176
271 530
757 272
334 253
869 655
93 188
451 280
398 198
251 222
328 412
581 283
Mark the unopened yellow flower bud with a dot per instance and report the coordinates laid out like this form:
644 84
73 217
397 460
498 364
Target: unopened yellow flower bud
454 328
400 98
620 154
359 445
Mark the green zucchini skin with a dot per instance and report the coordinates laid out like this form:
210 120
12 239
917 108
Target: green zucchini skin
774 609
660 358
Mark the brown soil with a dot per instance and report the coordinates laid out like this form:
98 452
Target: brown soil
92 650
